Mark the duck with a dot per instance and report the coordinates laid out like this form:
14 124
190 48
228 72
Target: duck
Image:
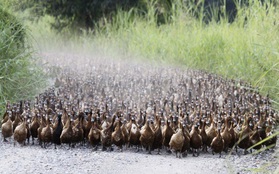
84 123
226 135
67 132
39 130
271 142
6 116
106 135
158 136
195 140
57 130
174 122
244 141
78 132
256 138
20 133
28 130
34 127
217 144
167 134
142 118
117 136
234 136
46 133
17 121
105 123
94 135
129 124
262 123
177 141
125 132
211 132
152 125
204 136
65 116
147 136
88 125
187 139
134 134
7 128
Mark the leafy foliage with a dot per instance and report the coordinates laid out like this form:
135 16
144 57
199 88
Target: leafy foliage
87 13
82 13
20 77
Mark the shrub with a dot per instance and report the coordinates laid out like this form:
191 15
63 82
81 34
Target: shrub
20 76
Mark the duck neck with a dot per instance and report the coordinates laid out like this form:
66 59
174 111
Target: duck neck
36 117
24 122
70 124
226 124
119 123
59 120
147 125
48 122
158 123
168 124
196 128
231 125
203 126
112 123
219 132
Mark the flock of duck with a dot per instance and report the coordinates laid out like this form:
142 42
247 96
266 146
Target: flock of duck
147 107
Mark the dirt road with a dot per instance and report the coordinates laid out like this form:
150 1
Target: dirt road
34 159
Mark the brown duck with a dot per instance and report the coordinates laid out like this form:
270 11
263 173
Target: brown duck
94 135
217 144
158 136
7 128
34 127
117 136
67 133
167 134
177 141
46 133
20 133
134 135
147 136
244 141
226 135
195 140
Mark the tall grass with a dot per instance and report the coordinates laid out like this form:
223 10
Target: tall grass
20 76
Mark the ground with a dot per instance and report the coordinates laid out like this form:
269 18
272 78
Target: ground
82 159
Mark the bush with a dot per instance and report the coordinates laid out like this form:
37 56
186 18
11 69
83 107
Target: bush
86 14
74 13
20 76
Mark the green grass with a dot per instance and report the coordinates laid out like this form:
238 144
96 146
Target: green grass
20 77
